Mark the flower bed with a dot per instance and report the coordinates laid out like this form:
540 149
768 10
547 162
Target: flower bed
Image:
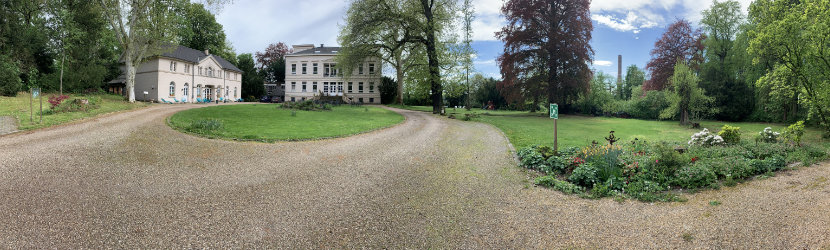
657 171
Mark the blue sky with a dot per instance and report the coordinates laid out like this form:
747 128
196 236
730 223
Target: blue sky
621 27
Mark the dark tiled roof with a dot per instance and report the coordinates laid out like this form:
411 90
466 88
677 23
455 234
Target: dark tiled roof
194 56
319 51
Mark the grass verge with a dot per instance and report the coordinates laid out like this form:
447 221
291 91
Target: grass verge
18 107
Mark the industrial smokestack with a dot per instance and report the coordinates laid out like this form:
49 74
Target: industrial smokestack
619 68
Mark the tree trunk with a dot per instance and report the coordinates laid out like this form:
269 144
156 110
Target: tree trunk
400 73
684 117
130 79
434 73
63 58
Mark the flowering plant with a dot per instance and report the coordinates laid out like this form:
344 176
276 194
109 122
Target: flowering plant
768 135
704 138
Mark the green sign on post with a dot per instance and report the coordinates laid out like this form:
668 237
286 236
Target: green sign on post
554 111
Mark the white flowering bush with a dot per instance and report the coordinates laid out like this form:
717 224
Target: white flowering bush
768 135
705 138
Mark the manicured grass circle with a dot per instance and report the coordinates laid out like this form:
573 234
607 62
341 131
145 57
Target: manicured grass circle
268 122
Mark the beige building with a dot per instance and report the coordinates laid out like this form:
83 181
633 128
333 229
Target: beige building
311 72
184 75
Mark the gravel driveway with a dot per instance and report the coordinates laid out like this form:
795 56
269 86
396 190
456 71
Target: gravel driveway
129 181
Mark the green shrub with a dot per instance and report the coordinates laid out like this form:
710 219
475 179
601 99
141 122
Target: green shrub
647 191
767 165
307 105
10 81
530 158
564 186
695 176
205 125
557 164
584 175
735 167
794 132
665 160
763 150
720 152
730 134
600 191
767 135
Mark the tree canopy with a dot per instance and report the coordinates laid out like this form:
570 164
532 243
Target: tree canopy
546 50
681 43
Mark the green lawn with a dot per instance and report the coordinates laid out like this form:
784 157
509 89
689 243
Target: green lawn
18 107
524 129
267 122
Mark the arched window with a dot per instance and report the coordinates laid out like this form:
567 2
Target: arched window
172 89
186 90
226 91
199 90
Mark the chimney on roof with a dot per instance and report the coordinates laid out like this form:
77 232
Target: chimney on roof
619 68
321 45
207 52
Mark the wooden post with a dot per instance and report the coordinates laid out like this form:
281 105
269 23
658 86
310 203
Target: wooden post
31 107
555 136
41 106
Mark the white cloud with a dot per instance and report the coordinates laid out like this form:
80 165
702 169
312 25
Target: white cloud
635 15
602 63
485 62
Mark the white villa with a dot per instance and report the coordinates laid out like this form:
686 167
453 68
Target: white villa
184 75
310 72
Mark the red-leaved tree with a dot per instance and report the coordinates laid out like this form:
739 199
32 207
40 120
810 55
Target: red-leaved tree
546 49
679 43
274 52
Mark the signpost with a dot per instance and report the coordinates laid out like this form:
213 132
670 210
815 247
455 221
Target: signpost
554 114
36 94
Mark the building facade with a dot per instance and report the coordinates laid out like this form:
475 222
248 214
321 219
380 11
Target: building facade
184 75
311 72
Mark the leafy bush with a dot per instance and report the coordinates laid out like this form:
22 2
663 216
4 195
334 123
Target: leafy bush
56 100
9 76
730 134
307 105
695 176
531 158
205 125
794 132
584 175
557 164
765 150
704 138
720 152
767 165
735 167
665 160
768 135
645 190
648 106
564 186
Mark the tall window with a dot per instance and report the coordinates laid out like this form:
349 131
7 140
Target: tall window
304 69
234 92
325 87
303 86
350 87
172 89
186 90
360 69
172 66
314 87
199 90
293 86
371 68
371 87
314 68
360 87
326 69
340 87
293 68
200 70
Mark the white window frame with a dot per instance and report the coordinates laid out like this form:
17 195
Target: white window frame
172 89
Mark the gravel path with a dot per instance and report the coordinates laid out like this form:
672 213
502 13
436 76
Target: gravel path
7 125
129 181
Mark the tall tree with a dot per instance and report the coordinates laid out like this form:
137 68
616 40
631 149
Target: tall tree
797 34
252 83
271 62
687 99
197 29
679 43
24 39
469 14
547 48
719 76
634 78
143 28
